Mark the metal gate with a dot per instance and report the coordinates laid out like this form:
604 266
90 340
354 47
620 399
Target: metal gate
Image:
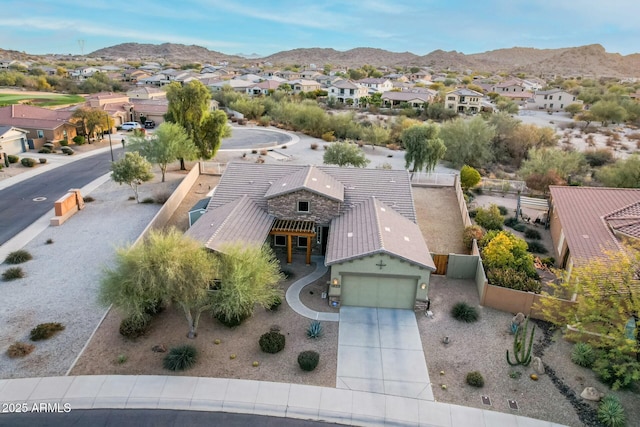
441 262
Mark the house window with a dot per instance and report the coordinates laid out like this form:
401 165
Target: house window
40 133
279 240
303 206
451 98
551 105
560 98
302 242
550 96
545 97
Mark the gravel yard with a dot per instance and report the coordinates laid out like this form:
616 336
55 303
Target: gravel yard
62 279
439 219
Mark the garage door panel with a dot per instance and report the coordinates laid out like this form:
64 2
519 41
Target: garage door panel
378 291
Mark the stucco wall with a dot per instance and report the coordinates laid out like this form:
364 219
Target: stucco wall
394 266
321 209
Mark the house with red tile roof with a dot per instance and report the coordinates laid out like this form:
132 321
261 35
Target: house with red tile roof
585 221
362 221
42 124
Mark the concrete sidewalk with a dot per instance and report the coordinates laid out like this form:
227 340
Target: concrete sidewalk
249 397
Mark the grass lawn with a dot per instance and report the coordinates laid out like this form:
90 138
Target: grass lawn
43 100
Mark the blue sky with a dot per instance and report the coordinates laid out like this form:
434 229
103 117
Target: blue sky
266 27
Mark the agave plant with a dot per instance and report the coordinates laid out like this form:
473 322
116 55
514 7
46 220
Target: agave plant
314 330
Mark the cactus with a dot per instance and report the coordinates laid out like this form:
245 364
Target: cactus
314 330
522 351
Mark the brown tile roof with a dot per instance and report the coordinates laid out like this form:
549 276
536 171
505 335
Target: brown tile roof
240 220
310 178
393 187
372 227
407 96
28 116
582 212
626 220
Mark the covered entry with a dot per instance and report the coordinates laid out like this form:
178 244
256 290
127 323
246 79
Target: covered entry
384 291
288 229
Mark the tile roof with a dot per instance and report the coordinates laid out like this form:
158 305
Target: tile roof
582 212
626 220
466 92
239 220
407 96
28 116
372 227
344 84
310 178
393 187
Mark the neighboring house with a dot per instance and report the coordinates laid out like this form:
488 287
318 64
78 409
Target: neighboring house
552 100
413 99
310 74
134 75
464 101
376 85
157 80
288 75
347 92
584 221
265 87
117 105
42 124
13 140
303 86
83 73
150 109
420 75
509 86
146 93
236 85
362 221
520 98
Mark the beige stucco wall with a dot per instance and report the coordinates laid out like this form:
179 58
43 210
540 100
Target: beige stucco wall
394 266
321 209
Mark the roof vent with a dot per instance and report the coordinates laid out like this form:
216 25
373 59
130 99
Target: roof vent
387 229
284 184
314 179
349 234
383 209
585 236
406 239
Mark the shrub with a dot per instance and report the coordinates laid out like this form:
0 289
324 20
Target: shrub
161 197
328 136
19 349
44 150
611 413
272 342
64 142
583 355
49 242
616 369
148 201
122 358
513 279
45 331
315 329
548 261
275 304
308 360
531 233
313 146
599 157
88 199
264 121
230 322
28 162
48 145
12 274
464 312
134 327
474 379
78 140
470 233
263 152
12 158
490 218
511 221
503 210
506 250
473 213
42 161
537 247
519 227
18 257
180 358
469 177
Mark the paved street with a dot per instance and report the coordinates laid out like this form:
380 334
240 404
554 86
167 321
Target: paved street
18 209
254 137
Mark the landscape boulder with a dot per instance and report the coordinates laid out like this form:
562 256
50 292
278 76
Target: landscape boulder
537 365
591 393
160 348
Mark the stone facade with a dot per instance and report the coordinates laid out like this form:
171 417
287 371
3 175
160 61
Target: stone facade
321 209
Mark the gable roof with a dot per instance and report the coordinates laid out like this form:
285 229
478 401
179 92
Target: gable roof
372 227
28 116
582 212
626 220
407 96
311 179
466 92
345 84
240 220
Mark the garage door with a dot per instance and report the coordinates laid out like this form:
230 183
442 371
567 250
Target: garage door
12 147
379 291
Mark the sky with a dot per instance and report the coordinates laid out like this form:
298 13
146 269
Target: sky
269 26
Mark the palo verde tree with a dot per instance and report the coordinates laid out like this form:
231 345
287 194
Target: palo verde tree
166 266
167 144
189 106
622 174
133 170
606 310
345 154
468 142
248 276
423 147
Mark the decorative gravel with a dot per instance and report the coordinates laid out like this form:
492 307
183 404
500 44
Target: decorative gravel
62 280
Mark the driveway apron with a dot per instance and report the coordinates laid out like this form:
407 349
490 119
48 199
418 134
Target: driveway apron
380 351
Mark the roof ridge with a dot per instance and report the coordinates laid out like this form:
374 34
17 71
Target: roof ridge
378 225
237 202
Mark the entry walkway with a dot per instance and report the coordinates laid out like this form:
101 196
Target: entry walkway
293 293
248 397
380 351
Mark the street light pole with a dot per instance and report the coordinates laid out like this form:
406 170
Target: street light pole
109 128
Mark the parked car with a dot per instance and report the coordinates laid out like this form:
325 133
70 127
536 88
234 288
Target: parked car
149 124
129 126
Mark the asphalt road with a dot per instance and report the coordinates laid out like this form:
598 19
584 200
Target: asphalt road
18 210
253 138
148 417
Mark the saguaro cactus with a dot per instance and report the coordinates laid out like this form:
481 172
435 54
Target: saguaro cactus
522 351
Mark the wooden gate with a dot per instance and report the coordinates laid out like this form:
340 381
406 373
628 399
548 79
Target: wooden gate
441 262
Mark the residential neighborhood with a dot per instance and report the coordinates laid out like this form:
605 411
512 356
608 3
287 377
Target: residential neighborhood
377 219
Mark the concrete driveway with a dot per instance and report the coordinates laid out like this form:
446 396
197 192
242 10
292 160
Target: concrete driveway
380 351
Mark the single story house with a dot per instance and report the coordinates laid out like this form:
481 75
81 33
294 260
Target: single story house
13 140
42 124
362 221
584 221
413 99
